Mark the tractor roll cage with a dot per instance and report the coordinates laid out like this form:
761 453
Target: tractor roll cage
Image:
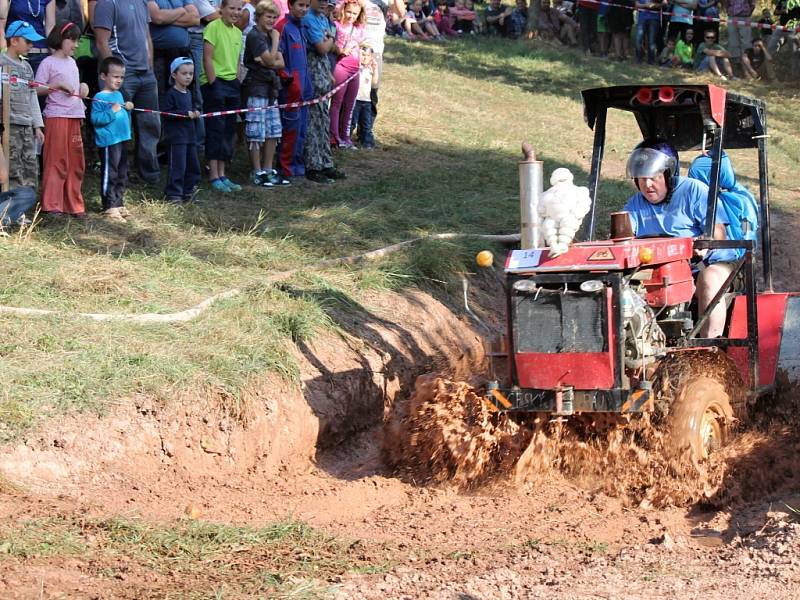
691 117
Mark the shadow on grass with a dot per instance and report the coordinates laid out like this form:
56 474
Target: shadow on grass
350 400
534 67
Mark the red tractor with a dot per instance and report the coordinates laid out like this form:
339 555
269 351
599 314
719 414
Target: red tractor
609 329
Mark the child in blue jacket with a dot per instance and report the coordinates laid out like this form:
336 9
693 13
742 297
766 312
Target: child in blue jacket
112 127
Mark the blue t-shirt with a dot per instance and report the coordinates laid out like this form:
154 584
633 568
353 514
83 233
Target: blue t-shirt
681 14
167 37
127 20
314 27
32 12
683 216
110 127
647 14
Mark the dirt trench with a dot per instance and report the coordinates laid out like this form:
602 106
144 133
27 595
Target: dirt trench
348 381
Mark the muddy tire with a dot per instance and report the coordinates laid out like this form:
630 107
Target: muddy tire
700 396
700 417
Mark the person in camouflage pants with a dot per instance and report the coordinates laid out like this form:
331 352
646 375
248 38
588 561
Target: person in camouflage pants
317 152
25 116
23 168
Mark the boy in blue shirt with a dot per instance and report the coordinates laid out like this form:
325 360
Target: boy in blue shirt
112 127
184 166
297 88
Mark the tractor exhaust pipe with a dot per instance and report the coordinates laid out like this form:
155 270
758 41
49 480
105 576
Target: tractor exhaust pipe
531 185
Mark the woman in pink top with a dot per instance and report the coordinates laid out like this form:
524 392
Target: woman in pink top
350 19
62 175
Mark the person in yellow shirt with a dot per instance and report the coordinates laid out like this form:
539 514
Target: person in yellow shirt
222 46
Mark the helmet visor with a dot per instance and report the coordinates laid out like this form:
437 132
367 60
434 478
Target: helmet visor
649 162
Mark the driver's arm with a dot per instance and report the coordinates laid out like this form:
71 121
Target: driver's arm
719 232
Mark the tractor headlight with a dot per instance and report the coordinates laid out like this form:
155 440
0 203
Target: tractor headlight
592 286
524 285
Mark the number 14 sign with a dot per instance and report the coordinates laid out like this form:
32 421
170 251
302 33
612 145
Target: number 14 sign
521 260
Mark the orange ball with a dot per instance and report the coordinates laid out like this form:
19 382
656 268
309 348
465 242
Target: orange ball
484 258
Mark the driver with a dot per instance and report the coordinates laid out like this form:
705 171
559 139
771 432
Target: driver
670 205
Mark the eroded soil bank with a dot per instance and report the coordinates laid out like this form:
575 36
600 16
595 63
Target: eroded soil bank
315 454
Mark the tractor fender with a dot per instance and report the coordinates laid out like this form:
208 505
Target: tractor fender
778 338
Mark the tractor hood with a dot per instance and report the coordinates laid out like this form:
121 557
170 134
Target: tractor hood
608 255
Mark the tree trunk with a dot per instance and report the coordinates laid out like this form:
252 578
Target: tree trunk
533 18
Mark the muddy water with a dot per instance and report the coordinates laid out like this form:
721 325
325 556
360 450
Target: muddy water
448 434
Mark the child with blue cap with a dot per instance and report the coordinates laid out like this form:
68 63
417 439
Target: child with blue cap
183 173
25 115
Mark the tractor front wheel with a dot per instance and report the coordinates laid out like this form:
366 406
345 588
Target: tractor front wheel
700 417
699 396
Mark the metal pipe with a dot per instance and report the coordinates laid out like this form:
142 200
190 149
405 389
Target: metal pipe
465 289
531 186
763 196
588 227
713 181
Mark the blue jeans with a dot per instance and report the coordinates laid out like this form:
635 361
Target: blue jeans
140 87
649 27
363 119
15 203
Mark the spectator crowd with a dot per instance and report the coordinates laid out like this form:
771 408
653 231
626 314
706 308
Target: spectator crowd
91 79
686 33
151 67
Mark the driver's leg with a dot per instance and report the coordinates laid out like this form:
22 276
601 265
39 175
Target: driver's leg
709 281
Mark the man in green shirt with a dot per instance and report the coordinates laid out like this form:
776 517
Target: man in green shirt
710 56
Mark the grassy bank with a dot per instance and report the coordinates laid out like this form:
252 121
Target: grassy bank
451 119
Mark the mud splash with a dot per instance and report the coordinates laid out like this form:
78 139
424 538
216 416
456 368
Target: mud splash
633 463
447 434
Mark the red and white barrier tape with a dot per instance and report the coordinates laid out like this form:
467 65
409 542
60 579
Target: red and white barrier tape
728 21
223 113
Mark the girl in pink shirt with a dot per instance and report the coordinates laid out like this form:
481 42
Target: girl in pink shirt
62 175
350 19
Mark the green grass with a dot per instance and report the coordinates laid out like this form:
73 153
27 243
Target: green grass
287 558
451 119
41 538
